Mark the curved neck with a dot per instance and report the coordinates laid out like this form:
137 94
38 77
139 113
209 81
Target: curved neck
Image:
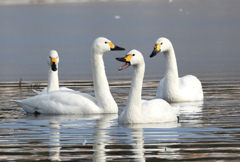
171 72
133 108
101 88
53 83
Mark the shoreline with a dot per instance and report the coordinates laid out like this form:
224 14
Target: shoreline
87 82
36 2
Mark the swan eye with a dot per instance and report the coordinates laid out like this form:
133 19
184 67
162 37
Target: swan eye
161 43
105 42
133 55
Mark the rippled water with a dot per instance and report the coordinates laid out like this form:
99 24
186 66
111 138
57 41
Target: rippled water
205 35
207 131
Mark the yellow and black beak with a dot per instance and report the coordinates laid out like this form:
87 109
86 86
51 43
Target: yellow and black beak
115 48
125 59
156 50
53 64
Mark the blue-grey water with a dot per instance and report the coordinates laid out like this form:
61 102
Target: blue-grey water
207 131
205 35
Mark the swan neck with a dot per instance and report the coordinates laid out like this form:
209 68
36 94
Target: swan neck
171 80
171 72
133 107
53 82
101 87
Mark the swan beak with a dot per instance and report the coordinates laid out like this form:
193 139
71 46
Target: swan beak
115 48
121 59
156 50
125 59
54 64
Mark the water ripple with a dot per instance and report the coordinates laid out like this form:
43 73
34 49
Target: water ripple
207 130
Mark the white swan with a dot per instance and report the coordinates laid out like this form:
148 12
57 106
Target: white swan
53 82
171 88
137 111
72 102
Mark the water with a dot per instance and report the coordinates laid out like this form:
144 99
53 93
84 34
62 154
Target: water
207 131
205 35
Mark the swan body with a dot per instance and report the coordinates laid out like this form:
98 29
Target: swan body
137 110
53 81
72 102
44 90
172 88
60 102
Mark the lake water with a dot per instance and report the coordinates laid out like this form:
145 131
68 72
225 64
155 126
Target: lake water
207 131
205 35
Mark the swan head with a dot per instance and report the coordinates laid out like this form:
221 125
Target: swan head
53 60
102 45
162 45
133 58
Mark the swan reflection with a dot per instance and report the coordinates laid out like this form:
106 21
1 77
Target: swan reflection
54 141
70 125
137 134
192 110
101 136
188 107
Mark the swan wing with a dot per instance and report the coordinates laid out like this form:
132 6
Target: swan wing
60 102
190 88
44 90
38 92
157 111
65 89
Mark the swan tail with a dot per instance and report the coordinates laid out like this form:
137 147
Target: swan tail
25 107
38 92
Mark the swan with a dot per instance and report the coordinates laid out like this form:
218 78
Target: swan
53 82
136 110
171 88
72 102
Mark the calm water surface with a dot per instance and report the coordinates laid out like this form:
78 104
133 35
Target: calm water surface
205 35
207 131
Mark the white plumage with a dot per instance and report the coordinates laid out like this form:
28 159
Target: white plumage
137 110
72 102
53 81
172 88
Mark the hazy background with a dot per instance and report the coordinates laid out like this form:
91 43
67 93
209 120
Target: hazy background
204 33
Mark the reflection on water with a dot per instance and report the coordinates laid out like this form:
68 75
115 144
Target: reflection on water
54 141
207 130
193 109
